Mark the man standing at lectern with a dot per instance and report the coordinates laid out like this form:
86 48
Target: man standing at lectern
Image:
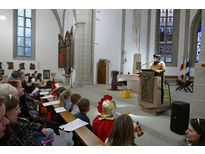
159 67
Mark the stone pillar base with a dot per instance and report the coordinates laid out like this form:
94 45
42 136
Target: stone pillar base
80 83
67 79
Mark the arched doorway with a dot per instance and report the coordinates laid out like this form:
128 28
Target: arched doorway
101 72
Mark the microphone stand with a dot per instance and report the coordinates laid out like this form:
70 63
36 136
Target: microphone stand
143 65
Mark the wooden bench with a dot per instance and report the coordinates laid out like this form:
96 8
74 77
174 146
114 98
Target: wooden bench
85 135
171 78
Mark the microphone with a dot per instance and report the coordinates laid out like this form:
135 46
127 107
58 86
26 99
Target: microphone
143 65
146 63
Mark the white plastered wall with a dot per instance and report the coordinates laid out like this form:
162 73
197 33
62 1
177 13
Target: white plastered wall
108 39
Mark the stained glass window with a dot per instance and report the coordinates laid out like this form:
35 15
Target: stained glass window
24 17
165 34
198 44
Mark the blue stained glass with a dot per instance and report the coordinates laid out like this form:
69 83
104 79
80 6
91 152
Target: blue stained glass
28 32
163 12
169 30
162 21
162 57
161 36
169 49
165 38
28 13
168 58
198 45
28 42
170 12
170 21
28 22
197 56
28 52
20 12
162 29
20 41
20 51
20 31
161 49
20 21
199 29
199 37
169 35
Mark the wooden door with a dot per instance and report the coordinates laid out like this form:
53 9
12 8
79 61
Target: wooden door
101 72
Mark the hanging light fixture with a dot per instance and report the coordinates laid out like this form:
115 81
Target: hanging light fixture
2 17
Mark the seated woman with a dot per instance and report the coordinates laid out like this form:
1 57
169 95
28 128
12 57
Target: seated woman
122 133
39 80
25 111
24 132
196 132
6 88
103 123
33 78
4 134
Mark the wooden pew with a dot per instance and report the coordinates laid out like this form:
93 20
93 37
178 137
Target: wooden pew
85 135
171 78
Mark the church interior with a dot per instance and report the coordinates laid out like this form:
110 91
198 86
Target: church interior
97 52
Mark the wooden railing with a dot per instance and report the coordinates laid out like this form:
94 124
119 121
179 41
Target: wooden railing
175 78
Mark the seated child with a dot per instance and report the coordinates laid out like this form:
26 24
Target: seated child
59 91
74 106
84 107
55 86
103 123
54 121
65 99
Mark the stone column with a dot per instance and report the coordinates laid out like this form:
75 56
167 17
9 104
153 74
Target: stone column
83 48
198 101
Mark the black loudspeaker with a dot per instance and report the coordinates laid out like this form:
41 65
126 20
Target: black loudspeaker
179 117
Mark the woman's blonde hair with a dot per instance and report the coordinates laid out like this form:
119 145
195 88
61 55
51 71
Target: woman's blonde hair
6 88
64 95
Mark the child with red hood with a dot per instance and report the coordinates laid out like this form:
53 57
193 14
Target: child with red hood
103 123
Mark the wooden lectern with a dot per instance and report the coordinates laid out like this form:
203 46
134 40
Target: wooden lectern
149 96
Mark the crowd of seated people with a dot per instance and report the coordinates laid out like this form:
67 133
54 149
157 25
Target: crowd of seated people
21 110
21 121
